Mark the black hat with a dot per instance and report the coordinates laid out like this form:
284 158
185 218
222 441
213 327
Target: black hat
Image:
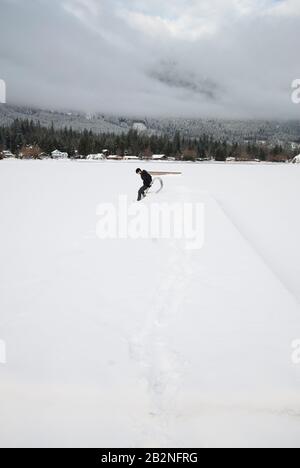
138 171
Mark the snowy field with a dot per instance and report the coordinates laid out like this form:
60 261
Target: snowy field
142 343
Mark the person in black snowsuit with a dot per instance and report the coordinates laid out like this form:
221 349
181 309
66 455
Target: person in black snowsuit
147 182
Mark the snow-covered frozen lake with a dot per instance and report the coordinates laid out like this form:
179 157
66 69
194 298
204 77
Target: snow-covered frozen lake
142 343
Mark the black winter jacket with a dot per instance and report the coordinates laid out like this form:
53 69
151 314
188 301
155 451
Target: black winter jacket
147 178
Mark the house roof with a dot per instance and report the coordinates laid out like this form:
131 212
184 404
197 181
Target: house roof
58 152
158 156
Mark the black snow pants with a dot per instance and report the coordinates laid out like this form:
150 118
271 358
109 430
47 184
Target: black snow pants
142 191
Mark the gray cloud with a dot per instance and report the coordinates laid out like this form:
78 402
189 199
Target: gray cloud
170 74
182 58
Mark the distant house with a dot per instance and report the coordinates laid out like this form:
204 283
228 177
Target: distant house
30 152
96 157
159 157
7 154
296 159
114 157
59 155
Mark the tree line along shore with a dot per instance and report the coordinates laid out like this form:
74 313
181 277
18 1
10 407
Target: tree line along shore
31 140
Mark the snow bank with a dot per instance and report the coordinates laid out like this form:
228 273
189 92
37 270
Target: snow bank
296 160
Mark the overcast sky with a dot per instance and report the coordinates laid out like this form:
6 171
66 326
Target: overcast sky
206 58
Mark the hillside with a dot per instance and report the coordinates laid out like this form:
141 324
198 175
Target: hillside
230 130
